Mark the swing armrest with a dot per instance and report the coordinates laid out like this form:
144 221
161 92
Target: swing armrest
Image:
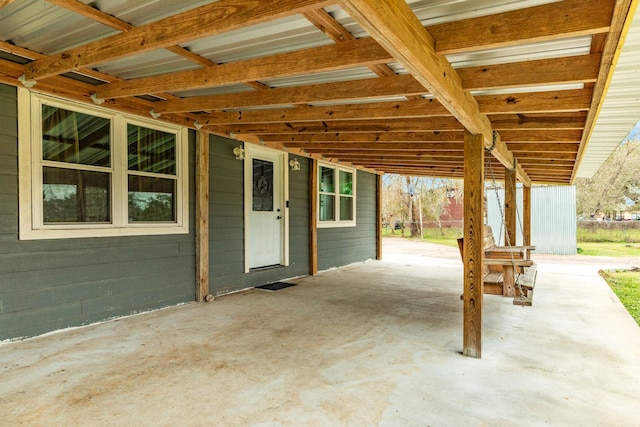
508 262
510 248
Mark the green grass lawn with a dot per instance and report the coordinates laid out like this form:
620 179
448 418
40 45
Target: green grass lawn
626 285
612 249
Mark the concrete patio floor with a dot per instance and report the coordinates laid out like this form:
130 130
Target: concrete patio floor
371 344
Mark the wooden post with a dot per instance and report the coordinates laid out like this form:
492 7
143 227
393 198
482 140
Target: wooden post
526 214
510 228
313 217
202 215
473 244
379 217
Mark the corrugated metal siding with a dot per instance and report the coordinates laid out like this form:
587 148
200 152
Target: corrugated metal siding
621 107
53 284
553 218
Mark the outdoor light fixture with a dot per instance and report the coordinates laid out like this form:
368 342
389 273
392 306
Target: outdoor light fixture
239 152
295 164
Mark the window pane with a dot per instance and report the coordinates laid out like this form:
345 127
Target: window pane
151 199
346 208
151 150
327 179
262 185
75 196
346 183
327 207
72 137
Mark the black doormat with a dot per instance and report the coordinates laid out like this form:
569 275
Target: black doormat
275 286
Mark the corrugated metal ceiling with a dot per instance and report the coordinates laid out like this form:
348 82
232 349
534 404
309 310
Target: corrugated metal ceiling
621 107
42 27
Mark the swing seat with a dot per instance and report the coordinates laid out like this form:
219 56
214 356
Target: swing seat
496 258
527 282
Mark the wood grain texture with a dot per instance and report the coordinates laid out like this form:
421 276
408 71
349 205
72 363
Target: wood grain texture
397 29
526 216
510 226
202 215
203 21
339 91
379 217
563 19
473 244
312 60
313 217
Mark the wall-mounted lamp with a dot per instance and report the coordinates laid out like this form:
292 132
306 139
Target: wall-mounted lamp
295 164
239 152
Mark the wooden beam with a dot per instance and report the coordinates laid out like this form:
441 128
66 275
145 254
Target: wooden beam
360 111
313 217
363 89
332 28
523 122
473 244
211 19
332 57
526 215
509 136
565 70
372 137
390 148
569 18
394 25
542 102
202 215
379 217
441 124
75 90
4 3
510 229
113 22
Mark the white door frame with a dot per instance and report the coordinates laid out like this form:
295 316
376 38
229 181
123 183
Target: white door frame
250 151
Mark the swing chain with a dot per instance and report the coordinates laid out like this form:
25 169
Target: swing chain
503 223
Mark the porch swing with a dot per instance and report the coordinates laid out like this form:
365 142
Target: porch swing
507 266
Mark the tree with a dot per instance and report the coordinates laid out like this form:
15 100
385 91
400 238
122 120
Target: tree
616 185
402 196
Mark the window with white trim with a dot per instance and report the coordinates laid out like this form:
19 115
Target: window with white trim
336 196
86 171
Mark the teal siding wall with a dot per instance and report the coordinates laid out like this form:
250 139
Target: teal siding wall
226 228
345 245
52 284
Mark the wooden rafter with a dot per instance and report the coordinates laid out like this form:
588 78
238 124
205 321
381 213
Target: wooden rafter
322 92
569 18
397 29
313 60
543 102
394 120
118 24
215 18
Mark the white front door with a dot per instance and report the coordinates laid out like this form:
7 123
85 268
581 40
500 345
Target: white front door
265 207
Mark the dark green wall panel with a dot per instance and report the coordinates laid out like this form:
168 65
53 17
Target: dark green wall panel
52 284
346 245
226 234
